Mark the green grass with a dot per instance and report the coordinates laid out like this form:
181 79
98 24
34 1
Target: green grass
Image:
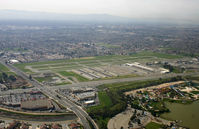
63 83
104 99
40 66
3 68
158 107
70 78
88 62
24 114
105 103
107 58
69 74
8 73
192 78
113 100
62 68
158 55
108 45
41 79
22 67
153 125
195 92
126 86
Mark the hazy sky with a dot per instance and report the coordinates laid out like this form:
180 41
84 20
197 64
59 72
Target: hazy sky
170 9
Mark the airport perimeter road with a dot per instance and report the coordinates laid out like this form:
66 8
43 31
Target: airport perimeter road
84 117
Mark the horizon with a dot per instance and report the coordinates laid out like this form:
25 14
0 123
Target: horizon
15 15
173 11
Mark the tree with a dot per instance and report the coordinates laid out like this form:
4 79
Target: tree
139 121
5 76
30 77
1 81
12 78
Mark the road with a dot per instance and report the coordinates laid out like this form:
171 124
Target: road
50 90
101 82
84 117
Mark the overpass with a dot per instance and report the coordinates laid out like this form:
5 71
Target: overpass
81 114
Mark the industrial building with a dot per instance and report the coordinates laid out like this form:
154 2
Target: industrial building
139 66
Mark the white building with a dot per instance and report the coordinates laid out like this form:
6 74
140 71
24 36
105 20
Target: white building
12 61
163 70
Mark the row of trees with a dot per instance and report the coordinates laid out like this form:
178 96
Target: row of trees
174 68
4 78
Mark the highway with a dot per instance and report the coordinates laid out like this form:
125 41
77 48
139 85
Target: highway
81 114
84 117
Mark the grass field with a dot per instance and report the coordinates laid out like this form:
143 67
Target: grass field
105 102
72 74
104 99
22 67
153 125
158 55
195 92
94 61
108 58
47 79
108 45
34 116
61 66
41 79
113 100
3 68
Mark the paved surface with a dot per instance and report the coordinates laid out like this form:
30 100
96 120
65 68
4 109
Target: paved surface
100 82
57 97
50 90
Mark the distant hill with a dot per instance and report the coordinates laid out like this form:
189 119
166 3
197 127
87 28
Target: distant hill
28 15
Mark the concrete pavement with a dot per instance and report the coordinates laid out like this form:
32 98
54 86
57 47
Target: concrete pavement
54 95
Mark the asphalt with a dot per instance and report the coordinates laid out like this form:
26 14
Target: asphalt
101 82
84 117
81 114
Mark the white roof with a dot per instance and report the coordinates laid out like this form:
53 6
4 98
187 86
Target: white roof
14 61
89 101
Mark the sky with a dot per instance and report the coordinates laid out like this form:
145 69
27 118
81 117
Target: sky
138 9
